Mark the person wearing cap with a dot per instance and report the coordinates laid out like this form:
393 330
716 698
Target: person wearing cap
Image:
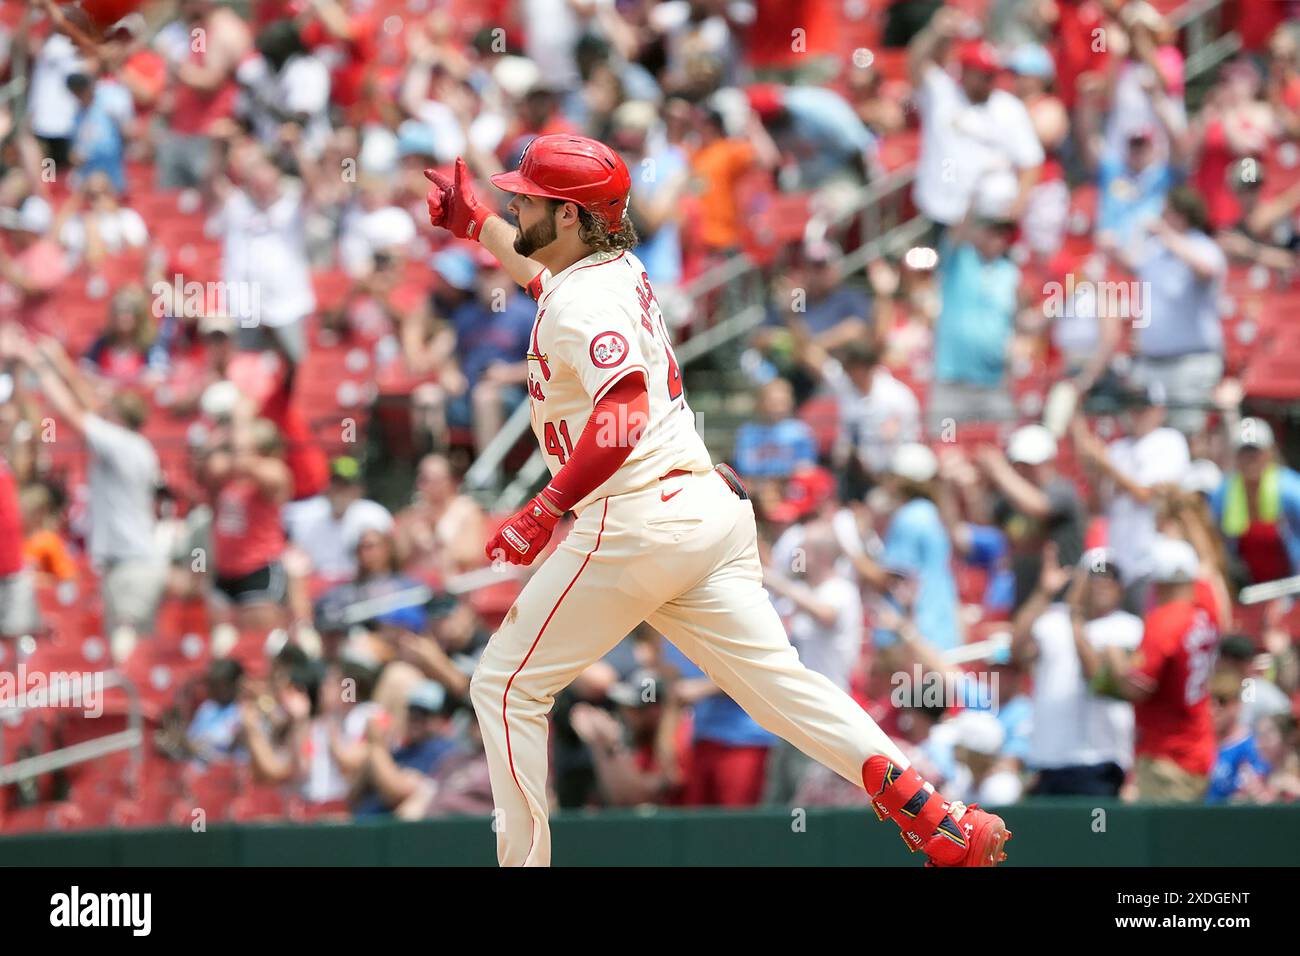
820 129
655 205
1144 149
1047 207
391 775
626 746
1068 631
1237 755
1257 507
1266 675
375 234
815 304
97 142
1131 185
1130 471
328 526
982 775
1265 231
642 487
1178 328
982 303
917 548
969 128
32 266
1034 502
1167 679
124 477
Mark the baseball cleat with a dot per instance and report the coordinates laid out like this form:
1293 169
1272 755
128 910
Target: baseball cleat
986 836
949 834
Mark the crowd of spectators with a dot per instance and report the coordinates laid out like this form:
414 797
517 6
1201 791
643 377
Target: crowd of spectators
193 451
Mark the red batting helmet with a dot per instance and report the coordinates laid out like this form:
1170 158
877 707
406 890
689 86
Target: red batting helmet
573 169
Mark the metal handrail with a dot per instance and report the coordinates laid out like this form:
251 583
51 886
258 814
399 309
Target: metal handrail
130 739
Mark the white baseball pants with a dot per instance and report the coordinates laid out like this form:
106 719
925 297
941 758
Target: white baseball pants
689 566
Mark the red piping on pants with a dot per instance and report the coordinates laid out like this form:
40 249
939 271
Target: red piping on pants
506 696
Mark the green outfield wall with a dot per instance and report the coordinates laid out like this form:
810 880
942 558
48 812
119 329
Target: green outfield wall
1046 834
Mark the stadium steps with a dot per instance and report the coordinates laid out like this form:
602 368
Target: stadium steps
722 400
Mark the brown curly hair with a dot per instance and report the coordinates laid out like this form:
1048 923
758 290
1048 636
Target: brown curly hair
594 231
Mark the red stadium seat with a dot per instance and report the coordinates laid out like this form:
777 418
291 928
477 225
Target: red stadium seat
822 414
259 802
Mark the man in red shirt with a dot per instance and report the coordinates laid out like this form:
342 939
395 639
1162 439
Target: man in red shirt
1168 680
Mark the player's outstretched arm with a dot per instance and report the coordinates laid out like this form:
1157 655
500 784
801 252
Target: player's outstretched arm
454 206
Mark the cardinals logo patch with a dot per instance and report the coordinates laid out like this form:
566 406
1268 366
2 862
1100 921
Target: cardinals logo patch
608 349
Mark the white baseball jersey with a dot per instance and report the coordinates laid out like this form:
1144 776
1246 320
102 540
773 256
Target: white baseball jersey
597 322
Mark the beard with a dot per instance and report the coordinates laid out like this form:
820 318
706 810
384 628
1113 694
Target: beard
537 236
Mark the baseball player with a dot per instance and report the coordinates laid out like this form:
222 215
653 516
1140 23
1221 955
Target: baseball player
660 534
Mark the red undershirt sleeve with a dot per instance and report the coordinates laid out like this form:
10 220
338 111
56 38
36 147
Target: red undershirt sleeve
626 409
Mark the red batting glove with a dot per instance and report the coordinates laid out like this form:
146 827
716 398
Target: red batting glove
453 205
521 539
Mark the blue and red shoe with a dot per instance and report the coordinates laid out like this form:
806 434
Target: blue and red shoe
949 834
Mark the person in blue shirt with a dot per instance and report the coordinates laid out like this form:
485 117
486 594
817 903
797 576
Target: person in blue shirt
1178 343
729 749
918 550
493 322
214 734
1237 751
821 130
389 777
1132 189
776 445
980 299
813 300
97 143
